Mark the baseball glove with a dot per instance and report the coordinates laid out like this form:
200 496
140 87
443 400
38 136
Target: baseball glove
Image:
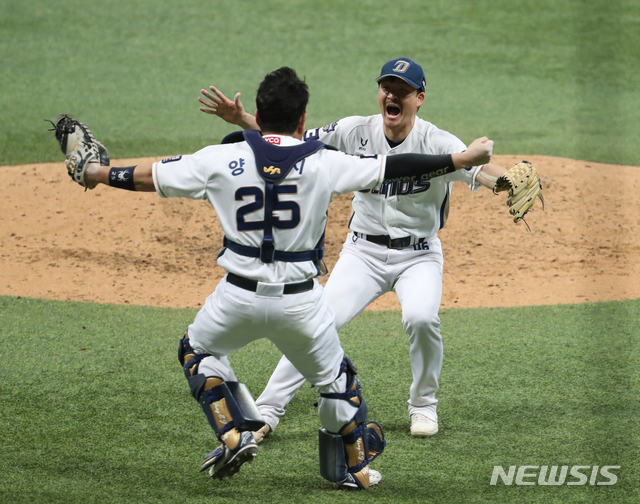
79 147
524 187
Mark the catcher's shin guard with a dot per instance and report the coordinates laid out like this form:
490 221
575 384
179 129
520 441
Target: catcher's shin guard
345 456
228 406
232 414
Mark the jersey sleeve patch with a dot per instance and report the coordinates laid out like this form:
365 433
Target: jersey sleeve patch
330 127
171 159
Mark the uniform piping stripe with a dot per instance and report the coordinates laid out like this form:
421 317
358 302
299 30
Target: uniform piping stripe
156 182
443 208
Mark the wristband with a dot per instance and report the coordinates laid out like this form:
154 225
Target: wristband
122 178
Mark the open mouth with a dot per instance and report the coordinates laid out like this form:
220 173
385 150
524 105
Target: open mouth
393 111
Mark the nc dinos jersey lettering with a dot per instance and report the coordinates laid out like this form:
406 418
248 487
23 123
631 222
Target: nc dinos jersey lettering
417 209
226 176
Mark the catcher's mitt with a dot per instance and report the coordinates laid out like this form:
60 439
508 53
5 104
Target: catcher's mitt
79 147
524 186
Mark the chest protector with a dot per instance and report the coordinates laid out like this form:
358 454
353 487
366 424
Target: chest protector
273 165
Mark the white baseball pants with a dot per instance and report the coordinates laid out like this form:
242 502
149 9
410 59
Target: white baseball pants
300 325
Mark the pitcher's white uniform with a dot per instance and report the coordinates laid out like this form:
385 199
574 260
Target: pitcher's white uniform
301 325
366 270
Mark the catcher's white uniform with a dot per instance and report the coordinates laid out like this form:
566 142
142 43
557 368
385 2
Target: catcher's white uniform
299 324
408 213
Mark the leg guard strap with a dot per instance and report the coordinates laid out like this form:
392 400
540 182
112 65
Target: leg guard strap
188 357
353 393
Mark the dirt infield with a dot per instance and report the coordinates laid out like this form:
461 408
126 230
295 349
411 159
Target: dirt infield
108 246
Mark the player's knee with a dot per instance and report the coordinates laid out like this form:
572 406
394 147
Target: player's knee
190 362
188 358
340 400
420 322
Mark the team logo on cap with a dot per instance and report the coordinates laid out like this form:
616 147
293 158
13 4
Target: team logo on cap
401 66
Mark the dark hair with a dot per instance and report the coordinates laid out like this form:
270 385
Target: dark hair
281 101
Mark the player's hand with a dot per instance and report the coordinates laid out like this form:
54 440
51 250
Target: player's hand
479 152
218 104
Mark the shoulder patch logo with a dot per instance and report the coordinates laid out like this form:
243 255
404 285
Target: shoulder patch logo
171 159
330 127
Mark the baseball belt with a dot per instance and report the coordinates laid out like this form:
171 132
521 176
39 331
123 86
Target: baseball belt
387 241
252 285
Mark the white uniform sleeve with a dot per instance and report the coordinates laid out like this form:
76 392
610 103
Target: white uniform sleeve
334 134
182 176
347 173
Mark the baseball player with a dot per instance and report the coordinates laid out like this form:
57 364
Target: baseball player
393 243
271 193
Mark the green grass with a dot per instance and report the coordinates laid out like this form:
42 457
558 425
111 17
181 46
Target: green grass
546 77
95 407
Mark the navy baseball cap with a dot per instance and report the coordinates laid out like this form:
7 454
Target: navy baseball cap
405 69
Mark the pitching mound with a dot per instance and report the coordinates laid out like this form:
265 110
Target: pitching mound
109 246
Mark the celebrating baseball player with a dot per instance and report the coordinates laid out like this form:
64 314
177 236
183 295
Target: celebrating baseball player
271 192
393 243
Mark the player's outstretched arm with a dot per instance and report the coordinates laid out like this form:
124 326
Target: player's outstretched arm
132 178
427 166
232 112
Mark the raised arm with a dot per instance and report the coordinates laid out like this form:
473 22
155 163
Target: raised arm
230 111
427 166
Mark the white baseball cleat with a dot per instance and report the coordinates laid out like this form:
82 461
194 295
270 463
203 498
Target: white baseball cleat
261 433
354 483
374 477
423 426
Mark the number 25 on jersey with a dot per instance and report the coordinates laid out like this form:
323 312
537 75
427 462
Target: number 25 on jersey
258 203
